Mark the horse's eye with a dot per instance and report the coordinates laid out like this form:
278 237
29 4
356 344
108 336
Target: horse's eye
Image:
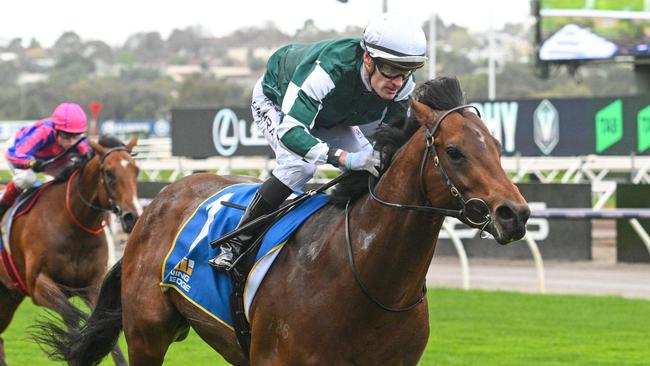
454 154
110 175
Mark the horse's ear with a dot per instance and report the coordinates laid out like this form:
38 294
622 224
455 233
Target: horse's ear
99 149
423 113
132 142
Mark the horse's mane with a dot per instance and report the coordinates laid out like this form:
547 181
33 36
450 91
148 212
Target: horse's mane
110 141
79 160
441 93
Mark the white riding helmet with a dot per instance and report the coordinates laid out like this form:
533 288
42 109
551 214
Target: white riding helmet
397 39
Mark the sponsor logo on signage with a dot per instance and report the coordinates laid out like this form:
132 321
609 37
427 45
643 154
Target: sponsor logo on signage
501 119
228 132
643 129
609 125
160 128
546 126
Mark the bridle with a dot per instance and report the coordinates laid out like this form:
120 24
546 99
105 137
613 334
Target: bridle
474 210
114 208
111 199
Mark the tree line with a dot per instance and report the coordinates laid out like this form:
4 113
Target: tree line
130 82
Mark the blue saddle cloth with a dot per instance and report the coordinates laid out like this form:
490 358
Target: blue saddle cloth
186 267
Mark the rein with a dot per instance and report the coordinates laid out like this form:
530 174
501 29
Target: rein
474 206
64 152
69 209
357 278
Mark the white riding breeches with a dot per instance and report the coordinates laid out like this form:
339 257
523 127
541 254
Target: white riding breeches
290 168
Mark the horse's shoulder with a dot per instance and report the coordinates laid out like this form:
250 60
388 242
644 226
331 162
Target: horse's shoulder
316 228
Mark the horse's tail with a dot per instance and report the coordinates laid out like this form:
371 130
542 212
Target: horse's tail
93 340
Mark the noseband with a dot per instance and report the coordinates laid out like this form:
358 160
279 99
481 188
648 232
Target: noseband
474 210
114 208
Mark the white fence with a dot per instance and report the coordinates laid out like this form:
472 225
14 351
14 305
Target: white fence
157 164
154 156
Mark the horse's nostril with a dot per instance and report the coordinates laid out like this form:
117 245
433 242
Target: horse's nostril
505 213
512 212
128 221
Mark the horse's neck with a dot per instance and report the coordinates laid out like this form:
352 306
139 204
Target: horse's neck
85 184
395 246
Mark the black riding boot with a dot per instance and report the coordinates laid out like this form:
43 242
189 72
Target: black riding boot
3 209
269 197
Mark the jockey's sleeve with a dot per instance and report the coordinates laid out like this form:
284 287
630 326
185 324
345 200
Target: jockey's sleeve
300 106
24 148
84 147
302 102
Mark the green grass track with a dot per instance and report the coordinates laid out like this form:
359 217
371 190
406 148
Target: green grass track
467 328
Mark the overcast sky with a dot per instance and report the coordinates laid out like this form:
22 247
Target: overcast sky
114 20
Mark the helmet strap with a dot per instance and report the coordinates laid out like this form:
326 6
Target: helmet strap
370 71
370 74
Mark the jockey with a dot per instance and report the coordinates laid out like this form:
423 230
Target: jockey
311 99
43 140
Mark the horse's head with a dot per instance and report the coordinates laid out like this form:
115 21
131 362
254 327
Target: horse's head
118 174
462 160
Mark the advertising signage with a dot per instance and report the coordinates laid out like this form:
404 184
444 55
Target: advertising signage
208 132
570 127
546 127
151 128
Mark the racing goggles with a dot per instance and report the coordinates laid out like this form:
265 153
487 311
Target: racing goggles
392 72
67 135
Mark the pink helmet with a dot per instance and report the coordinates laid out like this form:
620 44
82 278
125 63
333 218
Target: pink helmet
69 117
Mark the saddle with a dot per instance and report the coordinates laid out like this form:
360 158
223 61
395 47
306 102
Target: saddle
23 204
245 262
186 267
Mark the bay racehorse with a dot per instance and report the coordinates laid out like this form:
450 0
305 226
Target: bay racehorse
347 289
58 247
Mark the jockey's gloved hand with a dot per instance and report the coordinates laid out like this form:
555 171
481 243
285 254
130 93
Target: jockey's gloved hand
37 165
362 160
